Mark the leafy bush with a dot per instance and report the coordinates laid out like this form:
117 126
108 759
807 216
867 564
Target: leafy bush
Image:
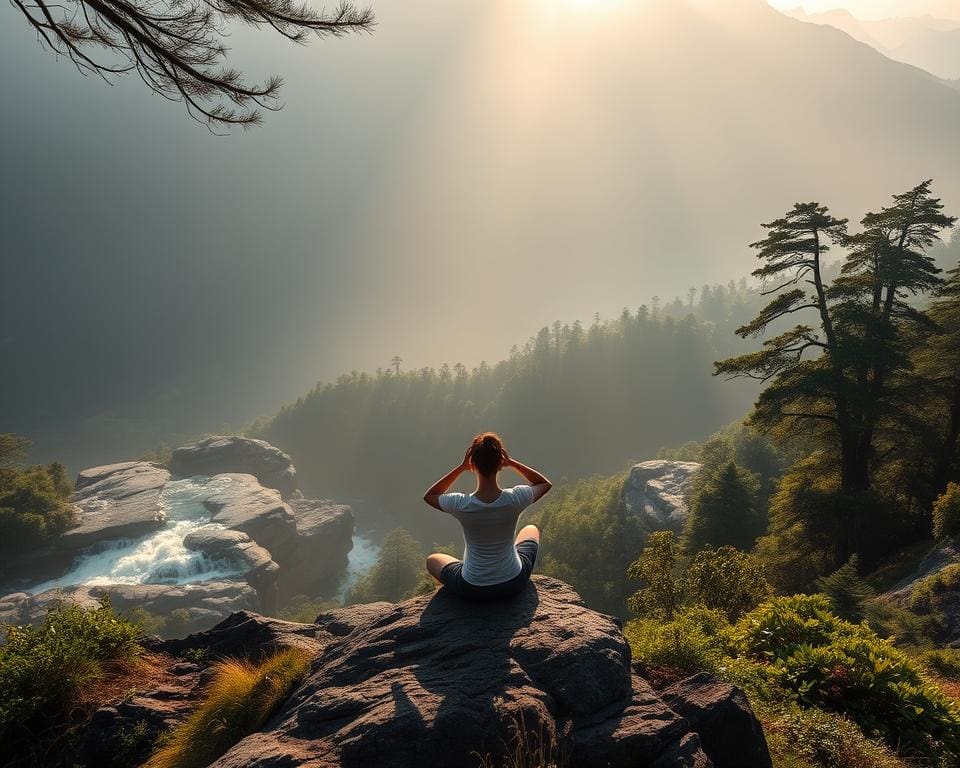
829 663
33 507
823 739
946 513
723 579
691 642
926 595
239 699
45 669
726 580
658 567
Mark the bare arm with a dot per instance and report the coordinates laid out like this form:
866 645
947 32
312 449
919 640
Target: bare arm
432 496
537 481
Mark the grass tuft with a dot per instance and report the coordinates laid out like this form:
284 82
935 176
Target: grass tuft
239 700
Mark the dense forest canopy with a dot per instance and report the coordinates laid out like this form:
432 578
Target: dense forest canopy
574 400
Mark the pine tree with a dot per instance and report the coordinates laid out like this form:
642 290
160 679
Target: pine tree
847 591
723 510
939 363
850 373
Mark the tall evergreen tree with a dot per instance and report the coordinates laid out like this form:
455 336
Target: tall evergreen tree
939 362
724 510
850 373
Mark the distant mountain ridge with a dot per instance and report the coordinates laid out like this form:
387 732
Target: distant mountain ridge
928 42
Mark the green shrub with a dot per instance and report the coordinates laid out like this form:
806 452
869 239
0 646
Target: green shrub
726 580
691 642
802 738
926 594
44 670
239 699
829 663
304 609
33 507
946 513
659 568
944 662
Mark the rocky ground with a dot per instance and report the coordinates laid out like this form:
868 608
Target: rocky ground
436 681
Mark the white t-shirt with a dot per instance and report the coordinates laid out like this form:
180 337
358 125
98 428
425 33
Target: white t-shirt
488 532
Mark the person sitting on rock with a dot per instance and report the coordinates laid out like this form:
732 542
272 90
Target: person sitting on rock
497 561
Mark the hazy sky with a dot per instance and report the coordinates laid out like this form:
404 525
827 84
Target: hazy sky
879 9
438 189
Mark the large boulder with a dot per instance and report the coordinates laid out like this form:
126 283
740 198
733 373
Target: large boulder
324 539
241 503
116 501
436 681
240 551
221 454
729 732
655 493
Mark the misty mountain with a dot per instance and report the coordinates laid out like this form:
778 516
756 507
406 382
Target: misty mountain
925 41
434 191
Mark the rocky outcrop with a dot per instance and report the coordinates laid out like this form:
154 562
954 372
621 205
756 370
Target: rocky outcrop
246 635
238 549
205 603
233 454
941 594
243 504
116 501
655 492
110 502
324 539
729 732
434 681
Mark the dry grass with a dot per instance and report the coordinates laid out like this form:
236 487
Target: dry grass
238 701
528 749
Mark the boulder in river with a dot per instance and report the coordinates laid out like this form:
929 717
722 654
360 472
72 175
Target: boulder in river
116 501
238 549
324 539
229 454
241 503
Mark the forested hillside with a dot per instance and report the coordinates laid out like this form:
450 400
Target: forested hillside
574 400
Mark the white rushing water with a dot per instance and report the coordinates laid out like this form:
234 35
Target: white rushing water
158 557
361 559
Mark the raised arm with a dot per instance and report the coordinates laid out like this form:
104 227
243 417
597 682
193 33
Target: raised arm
432 496
537 481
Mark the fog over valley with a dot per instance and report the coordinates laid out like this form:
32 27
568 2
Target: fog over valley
438 190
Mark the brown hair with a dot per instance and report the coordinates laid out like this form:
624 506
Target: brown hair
486 453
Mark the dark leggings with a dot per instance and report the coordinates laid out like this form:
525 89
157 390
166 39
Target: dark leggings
452 577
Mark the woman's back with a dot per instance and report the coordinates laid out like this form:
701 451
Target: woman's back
489 528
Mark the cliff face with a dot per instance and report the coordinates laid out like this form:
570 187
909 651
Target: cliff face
436 681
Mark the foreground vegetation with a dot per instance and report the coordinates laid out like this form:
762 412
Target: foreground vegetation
239 699
50 674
